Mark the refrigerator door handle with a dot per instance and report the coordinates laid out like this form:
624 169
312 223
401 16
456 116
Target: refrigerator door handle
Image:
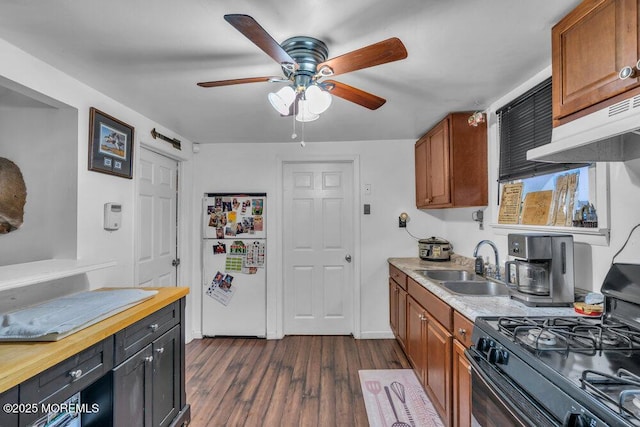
348 258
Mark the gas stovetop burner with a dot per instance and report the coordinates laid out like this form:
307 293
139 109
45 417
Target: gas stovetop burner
541 337
569 333
620 391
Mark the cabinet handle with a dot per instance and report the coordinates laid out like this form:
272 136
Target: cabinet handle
76 374
148 359
462 332
626 72
154 327
160 350
423 317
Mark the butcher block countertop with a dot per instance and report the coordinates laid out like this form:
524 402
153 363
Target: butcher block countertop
20 361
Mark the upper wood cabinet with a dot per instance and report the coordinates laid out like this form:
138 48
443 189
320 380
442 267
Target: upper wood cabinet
451 164
590 46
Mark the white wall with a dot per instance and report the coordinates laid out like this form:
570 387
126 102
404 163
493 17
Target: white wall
40 140
25 74
387 165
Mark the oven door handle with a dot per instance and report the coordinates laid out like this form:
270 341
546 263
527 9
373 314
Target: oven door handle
495 391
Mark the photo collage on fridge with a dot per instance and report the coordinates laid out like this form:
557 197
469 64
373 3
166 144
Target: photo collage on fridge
235 218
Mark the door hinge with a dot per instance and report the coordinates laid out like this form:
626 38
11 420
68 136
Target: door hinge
175 262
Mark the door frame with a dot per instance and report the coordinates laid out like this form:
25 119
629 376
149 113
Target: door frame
277 303
181 245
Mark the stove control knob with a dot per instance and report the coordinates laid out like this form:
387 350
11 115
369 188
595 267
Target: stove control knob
485 344
578 420
497 356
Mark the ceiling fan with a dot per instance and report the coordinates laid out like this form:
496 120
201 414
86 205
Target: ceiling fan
305 66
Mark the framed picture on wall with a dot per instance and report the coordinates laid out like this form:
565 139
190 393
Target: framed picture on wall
110 145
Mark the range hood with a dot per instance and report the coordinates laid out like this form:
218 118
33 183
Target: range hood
611 134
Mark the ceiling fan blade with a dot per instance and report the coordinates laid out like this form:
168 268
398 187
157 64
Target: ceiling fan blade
258 35
379 53
236 81
353 94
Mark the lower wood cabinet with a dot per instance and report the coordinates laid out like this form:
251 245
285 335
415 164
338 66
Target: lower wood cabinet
429 351
434 340
461 370
416 336
398 311
461 387
437 379
398 304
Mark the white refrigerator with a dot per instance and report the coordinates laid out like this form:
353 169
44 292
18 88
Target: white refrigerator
234 264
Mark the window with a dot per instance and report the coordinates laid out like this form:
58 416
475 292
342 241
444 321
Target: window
526 123
580 203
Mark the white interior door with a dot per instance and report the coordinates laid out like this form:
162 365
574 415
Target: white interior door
156 221
318 244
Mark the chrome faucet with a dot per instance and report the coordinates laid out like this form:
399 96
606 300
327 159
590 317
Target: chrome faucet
495 251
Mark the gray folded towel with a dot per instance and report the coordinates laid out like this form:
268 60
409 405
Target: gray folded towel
54 319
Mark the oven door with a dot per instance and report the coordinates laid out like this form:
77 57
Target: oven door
497 401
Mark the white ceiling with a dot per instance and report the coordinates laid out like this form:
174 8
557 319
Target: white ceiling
149 54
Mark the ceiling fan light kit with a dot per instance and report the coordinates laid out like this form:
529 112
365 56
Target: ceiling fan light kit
304 63
282 99
318 100
304 114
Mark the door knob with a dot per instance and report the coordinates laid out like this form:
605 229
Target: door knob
348 258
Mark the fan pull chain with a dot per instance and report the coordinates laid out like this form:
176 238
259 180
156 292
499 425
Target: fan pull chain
302 144
294 135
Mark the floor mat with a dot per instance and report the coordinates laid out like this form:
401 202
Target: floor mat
394 396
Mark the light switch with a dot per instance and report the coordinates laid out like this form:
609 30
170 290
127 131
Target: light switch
367 209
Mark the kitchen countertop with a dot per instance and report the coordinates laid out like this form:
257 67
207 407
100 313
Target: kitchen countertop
471 306
20 361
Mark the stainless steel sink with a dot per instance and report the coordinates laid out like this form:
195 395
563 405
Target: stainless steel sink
476 288
449 275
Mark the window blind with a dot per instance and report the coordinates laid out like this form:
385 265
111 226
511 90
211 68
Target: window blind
526 123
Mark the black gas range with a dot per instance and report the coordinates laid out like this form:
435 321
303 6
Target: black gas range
562 371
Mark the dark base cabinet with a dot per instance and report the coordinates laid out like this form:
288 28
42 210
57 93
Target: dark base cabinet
132 390
132 378
9 418
147 385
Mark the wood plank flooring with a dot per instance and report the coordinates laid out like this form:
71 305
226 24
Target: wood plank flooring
296 381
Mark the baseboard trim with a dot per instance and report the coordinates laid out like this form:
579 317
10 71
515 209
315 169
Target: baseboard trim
376 335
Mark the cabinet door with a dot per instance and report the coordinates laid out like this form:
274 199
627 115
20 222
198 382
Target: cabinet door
393 306
9 418
438 368
132 390
416 341
166 377
421 172
590 47
438 177
402 317
461 387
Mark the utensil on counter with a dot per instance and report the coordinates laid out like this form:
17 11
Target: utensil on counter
398 423
398 389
